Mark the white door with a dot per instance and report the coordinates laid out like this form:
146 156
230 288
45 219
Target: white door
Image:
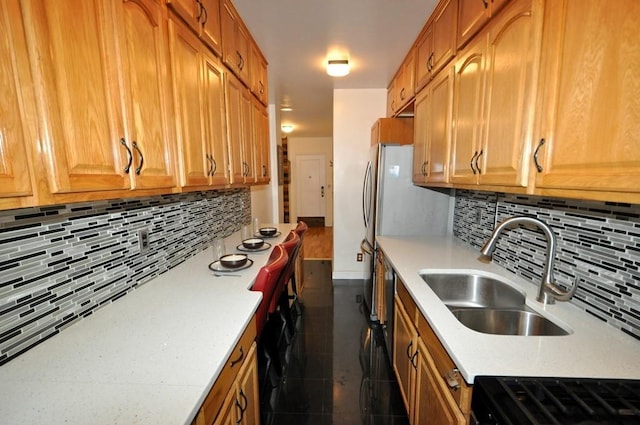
311 193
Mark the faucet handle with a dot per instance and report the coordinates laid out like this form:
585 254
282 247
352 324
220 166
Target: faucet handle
560 294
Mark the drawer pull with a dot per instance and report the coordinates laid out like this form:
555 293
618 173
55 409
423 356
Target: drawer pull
452 379
128 166
239 359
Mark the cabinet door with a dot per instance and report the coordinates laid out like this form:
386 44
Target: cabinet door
211 33
468 95
186 60
444 34
405 89
78 96
472 16
248 401
258 73
188 10
227 415
144 58
391 100
215 120
439 126
233 100
420 135
248 141
424 50
235 42
433 403
14 166
591 124
404 348
512 64
261 141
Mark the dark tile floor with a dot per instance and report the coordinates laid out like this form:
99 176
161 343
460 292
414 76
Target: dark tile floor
337 370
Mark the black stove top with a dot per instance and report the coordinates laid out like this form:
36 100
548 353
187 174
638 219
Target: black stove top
559 401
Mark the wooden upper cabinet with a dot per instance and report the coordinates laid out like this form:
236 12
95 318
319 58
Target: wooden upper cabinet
401 89
436 45
258 71
248 140
591 122
144 59
260 126
238 127
512 63
199 106
78 95
468 99
203 16
473 15
433 130
14 165
103 113
235 41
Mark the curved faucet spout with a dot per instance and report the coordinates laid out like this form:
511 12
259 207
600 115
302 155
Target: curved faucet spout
549 291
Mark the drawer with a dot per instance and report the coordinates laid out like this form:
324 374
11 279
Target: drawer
408 303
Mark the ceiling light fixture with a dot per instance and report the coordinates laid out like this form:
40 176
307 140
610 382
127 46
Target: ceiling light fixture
286 128
338 67
286 109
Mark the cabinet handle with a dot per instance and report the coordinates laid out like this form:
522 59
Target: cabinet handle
452 379
240 61
139 167
206 16
477 158
261 87
402 94
215 166
128 167
471 162
409 349
200 7
239 406
393 105
485 3
210 170
264 171
415 356
238 360
535 156
430 62
241 414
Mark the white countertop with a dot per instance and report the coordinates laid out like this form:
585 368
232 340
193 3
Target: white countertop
151 357
593 349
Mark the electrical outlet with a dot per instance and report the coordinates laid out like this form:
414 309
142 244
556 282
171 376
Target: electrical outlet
143 240
359 257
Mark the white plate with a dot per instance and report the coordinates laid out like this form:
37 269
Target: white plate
264 247
217 267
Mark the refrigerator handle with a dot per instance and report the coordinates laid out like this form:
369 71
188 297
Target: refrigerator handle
366 247
365 192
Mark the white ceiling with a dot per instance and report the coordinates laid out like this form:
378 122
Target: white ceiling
296 36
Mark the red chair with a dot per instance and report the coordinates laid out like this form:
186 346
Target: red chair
296 278
266 282
291 244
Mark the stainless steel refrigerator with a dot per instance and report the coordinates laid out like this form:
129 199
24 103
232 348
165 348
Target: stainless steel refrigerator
393 206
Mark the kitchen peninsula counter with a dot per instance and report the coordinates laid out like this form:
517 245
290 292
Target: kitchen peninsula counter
593 349
148 358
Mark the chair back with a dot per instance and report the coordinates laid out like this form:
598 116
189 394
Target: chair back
267 281
301 229
290 245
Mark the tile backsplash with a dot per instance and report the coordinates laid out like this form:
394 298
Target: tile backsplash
60 263
598 244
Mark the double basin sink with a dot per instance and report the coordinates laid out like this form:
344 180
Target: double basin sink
488 305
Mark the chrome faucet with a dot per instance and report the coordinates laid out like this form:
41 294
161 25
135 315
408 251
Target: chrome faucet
549 291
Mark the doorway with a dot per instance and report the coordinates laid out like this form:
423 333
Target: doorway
311 187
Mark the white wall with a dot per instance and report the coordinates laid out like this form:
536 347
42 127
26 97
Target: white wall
266 200
311 146
354 112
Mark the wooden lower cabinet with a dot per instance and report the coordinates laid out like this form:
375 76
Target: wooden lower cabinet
242 404
432 390
234 397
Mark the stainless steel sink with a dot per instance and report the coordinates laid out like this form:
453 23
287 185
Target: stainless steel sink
507 322
473 290
489 305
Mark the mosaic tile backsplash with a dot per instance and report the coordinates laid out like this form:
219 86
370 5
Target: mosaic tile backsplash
598 244
60 263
